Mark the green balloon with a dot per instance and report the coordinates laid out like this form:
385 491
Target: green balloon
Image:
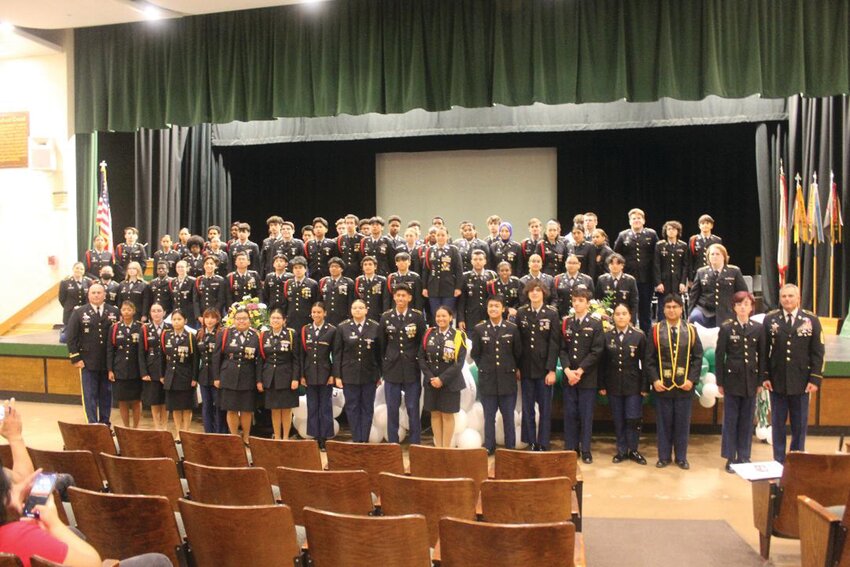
302 390
709 354
473 369
559 375
705 367
601 400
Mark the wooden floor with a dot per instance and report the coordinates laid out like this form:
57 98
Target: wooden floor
627 490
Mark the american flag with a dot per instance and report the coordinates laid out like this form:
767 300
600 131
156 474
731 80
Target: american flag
103 219
833 223
783 252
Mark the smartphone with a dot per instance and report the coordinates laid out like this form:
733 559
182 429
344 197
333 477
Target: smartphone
42 488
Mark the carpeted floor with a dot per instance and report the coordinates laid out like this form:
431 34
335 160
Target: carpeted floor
613 542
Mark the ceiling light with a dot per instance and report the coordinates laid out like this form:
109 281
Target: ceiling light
152 12
7 27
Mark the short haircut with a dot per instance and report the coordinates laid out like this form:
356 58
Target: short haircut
299 261
590 214
496 298
306 228
578 228
244 226
615 257
376 220
274 219
674 298
158 264
722 250
243 254
337 261
132 229
128 303
674 224
214 227
402 256
212 259
494 219
350 216
414 223
531 285
478 252
403 287
290 224
195 240
321 220
368 259
533 220
393 218
638 212
705 218
581 291
740 296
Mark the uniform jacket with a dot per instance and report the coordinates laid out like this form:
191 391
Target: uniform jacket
371 291
496 351
413 281
510 291
170 257
298 299
713 291
563 289
622 362
236 359
472 307
624 289
698 249
348 249
795 353
239 285
138 292
209 293
357 354
545 280
249 248
400 340
442 356
87 334
95 260
582 344
318 254
554 255
741 357
443 271
280 359
316 349
73 294
337 296
639 251
180 355
160 289
383 249
206 345
673 373
671 265
183 295
465 247
151 360
509 252
273 288
124 254
585 254
122 350
599 260
541 340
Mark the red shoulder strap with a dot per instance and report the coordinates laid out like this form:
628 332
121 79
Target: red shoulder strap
428 258
145 338
339 243
286 288
198 283
425 337
170 285
357 286
224 337
491 287
230 277
363 246
162 339
306 254
390 283
543 251
323 284
262 340
557 279
304 337
692 244
114 333
564 326
88 258
655 335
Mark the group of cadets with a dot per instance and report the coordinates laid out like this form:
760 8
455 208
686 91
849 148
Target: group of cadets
350 310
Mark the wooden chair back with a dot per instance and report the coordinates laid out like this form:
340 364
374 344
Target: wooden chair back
6 455
465 543
10 560
824 478
149 477
121 525
822 534
228 486
443 462
345 492
146 443
214 449
344 540
526 501
295 454
79 464
434 498
94 437
240 535
372 458
515 465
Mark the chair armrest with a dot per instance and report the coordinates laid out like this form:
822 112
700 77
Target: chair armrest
764 503
820 533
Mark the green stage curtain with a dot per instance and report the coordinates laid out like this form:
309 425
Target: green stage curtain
391 56
88 188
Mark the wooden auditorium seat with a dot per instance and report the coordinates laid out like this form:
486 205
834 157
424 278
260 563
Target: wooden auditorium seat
346 492
240 535
146 443
94 437
214 449
823 478
296 454
527 501
823 534
228 486
6 455
344 540
444 462
148 477
79 464
369 457
10 560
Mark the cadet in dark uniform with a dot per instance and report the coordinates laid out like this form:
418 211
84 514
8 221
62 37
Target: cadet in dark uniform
98 257
443 275
209 291
713 288
496 350
406 277
87 333
623 382
698 245
317 340
299 295
122 364
213 416
402 328
151 366
600 253
111 286
378 246
167 254
411 246
503 249
267 249
565 284
794 368
673 361
74 291
472 308
508 288
357 368
245 246
535 273
493 224
621 286
273 295
553 248
180 353
280 371
581 350
441 360
241 282
182 289
468 243
337 292
741 365
348 247
371 288
584 251
670 263
129 251
216 251
160 287
287 245
394 230
319 250
530 245
195 259
541 341
182 244
237 370
135 289
637 246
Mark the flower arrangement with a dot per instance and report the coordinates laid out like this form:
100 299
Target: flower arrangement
257 311
601 310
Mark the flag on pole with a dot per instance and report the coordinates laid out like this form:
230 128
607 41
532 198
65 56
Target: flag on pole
801 221
783 251
832 221
103 219
815 222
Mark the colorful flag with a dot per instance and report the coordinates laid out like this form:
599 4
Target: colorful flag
103 219
815 223
801 221
783 252
832 221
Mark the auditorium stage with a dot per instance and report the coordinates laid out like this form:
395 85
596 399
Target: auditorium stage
35 368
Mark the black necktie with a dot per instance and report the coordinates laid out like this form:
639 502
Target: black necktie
674 334
790 318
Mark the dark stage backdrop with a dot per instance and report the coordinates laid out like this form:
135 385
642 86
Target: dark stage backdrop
672 173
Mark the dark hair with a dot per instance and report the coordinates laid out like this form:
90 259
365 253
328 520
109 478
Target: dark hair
376 220
402 256
616 256
445 308
392 218
214 227
403 287
158 264
674 298
368 259
279 311
740 296
320 304
195 241
581 291
531 285
497 298
274 219
178 311
129 303
320 220
338 261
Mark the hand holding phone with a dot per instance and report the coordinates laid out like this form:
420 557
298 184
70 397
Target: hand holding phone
40 493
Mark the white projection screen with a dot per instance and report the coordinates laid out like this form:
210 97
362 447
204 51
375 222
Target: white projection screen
516 184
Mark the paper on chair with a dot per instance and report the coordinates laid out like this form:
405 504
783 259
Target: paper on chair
758 471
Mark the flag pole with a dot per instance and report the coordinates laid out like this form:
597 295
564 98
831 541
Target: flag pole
797 178
814 255
831 247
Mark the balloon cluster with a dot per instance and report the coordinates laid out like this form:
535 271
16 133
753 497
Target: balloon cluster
299 414
707 390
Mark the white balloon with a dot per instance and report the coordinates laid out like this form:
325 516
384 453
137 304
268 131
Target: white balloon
710 391
301 411
380 395
707 401
761 433
453 442
769 435
475 418
708 337
467 397
337 410
336 428
519 442
469 352
469 439
710 378
301 427
500 429
518 408
461 421
375 435
402 434
379 418
338 398
403 418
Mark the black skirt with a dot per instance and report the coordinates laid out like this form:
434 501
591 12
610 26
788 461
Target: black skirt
238 400
281 399
180 399
127 390
438 399
153 394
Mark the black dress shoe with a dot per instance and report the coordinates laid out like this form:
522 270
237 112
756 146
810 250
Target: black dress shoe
684 465
534 447
619 458
637 457
491 452
542 448
322 445
586 458
661 464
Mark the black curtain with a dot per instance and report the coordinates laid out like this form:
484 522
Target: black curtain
771 140
206 183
